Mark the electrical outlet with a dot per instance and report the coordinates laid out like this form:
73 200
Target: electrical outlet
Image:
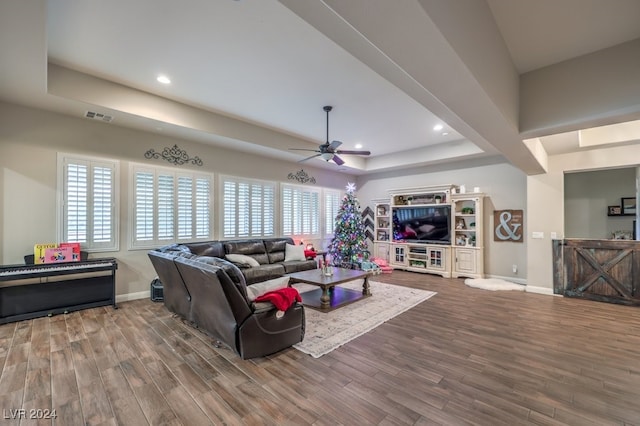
515 269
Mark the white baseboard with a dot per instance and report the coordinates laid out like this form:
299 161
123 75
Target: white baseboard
529 288
541 290
520 281
133 296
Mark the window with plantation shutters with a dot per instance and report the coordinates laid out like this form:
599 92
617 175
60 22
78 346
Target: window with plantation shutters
332 200
247 208
170 206
88 202
300 211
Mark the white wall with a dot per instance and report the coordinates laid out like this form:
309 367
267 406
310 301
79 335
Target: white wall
586 198
586 91
30 140
545 203
504 185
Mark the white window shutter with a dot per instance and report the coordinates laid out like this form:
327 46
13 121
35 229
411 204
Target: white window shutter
170 206
248 208
88 201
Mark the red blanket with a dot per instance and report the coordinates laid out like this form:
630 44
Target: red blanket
282 298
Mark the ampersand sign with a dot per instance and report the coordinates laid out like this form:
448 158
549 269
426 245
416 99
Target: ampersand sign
507 225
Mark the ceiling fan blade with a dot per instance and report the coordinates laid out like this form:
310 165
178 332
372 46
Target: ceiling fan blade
328 150
309 158
303 149
333 145
341 151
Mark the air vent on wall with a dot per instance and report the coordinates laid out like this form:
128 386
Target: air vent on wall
98 116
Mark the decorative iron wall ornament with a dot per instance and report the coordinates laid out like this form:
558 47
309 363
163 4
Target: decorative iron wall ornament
302 177
174 155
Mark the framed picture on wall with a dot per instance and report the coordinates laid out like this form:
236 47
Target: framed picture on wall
614 211
628 206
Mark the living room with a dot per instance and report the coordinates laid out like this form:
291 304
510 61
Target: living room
510 175
32 138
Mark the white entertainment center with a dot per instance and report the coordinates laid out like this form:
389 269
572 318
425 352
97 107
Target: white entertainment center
434 229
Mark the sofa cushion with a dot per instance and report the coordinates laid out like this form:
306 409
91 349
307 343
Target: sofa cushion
232 270
242 260
174 248
297 266
184 254
263 273
209 248
275 248
260 288
292 252
253 248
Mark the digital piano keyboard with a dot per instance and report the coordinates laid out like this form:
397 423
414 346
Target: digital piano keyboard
8 273
93 285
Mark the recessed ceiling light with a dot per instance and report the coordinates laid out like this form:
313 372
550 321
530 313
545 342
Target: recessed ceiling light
445 133
163 79
358 145
437 127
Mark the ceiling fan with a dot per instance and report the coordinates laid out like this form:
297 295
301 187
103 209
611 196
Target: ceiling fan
328 151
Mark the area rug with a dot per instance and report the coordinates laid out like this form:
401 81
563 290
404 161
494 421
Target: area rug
493 284
326 331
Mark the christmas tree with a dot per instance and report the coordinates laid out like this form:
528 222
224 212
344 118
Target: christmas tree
349 242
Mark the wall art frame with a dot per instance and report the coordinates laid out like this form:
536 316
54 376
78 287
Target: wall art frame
628 205
614 210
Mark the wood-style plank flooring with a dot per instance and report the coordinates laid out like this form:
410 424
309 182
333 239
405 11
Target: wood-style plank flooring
464 357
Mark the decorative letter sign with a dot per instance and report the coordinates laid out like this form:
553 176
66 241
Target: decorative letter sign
507 225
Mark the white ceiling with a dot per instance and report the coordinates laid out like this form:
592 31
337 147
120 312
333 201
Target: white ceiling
544 32
260 69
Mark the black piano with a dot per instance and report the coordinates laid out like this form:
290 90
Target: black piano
32 291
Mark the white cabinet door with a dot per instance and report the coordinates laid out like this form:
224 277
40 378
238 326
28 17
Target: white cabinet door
465 261
436 258
398 255
381 250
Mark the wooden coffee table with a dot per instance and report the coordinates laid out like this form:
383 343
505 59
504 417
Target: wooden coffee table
329 297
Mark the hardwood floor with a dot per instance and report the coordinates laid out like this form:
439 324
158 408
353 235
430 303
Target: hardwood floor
465 356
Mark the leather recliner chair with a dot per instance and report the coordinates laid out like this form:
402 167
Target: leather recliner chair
211 293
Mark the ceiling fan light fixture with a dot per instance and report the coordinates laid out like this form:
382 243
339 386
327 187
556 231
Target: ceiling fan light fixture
327 156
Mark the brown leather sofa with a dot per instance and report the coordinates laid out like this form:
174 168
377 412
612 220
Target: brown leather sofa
268 252
210 292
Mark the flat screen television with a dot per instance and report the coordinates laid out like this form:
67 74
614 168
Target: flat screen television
427 224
